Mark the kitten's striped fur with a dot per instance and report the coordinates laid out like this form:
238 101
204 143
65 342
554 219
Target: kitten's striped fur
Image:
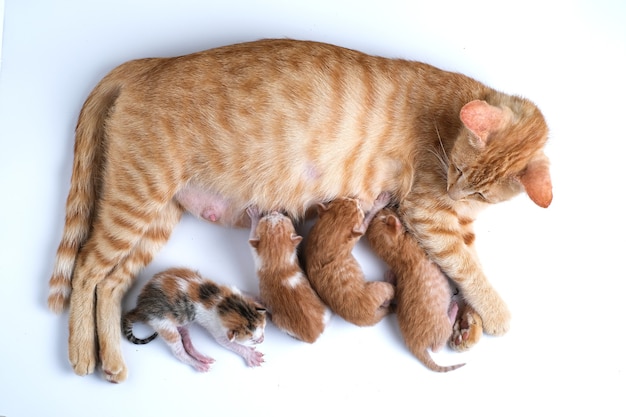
281 124
424 305
335 273
177 297
284 289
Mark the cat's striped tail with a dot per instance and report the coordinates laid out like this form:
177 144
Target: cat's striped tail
82 197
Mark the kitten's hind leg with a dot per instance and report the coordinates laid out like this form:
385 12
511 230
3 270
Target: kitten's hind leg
467 328
172 335
191 350
112 289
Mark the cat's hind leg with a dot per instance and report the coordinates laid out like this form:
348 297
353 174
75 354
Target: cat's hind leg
111 290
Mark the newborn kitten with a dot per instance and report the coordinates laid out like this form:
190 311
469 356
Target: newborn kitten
332 269
175 298
423 296
284 289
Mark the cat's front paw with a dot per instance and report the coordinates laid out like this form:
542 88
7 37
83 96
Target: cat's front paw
497 321
466 331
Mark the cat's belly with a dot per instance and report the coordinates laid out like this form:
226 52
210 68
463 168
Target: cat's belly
295 200
212 207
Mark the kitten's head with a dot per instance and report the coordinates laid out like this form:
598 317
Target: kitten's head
276 237
341 213
385 231
499 153
243 320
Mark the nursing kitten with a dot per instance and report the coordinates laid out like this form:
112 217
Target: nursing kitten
177 297
284 289
333 271
283 125
424 305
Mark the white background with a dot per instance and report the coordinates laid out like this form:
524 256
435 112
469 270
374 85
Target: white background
561 270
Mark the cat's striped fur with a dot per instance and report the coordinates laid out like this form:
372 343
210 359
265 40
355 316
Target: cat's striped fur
281 124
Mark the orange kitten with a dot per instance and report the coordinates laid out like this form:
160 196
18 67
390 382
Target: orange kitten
283 125
175 298
284 289
423 296
334 272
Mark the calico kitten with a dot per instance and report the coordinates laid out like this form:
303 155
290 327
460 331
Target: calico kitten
177 297
284 289
424 304
332 269
283 125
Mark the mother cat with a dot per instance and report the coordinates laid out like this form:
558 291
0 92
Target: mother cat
283 125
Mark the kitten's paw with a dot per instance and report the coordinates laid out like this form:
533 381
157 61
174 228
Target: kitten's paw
466 331
382 200
254 358
204 365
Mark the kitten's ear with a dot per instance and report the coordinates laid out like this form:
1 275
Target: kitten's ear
358 231
254 243
296 239
482 119
321 209
537 182
394 223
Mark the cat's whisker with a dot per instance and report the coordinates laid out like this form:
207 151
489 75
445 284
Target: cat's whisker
445 155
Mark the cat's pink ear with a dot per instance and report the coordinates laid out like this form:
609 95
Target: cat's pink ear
482 119
537 182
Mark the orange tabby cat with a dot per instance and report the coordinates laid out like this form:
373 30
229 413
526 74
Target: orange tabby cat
424 304
283 125
332 269
284 289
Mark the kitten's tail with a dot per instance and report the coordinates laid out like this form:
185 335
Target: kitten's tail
426 359
88 160
127 328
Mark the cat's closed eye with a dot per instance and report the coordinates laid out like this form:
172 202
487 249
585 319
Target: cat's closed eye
479 196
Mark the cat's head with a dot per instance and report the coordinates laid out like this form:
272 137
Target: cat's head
242 319
500 153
